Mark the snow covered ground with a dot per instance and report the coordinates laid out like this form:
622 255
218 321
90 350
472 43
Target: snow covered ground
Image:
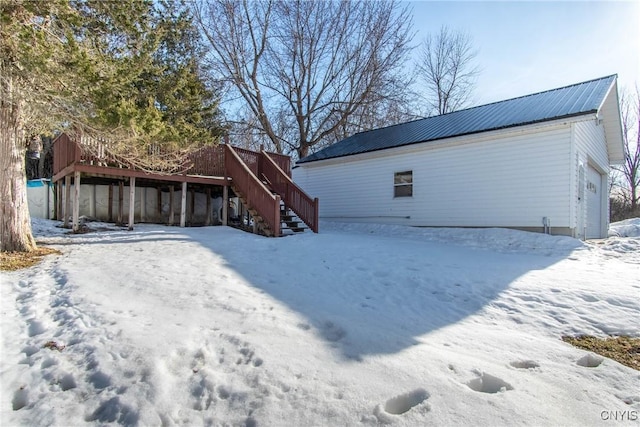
357 325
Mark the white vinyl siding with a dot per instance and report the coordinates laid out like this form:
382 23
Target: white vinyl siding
512 180
590 140
591 152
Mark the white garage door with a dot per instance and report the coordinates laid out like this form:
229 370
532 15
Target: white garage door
594 203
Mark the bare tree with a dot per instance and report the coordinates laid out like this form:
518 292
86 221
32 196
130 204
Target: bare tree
446 67
628 182
306 69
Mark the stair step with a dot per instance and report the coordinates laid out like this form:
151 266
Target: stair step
293 229
294 224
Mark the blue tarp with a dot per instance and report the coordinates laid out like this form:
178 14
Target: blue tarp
38 182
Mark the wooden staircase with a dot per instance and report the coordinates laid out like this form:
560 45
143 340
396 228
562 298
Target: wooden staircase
290 222
276 204
259 224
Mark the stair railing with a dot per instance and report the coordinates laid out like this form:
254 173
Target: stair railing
292 195
255 193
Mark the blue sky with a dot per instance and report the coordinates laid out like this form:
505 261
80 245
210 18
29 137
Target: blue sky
527 47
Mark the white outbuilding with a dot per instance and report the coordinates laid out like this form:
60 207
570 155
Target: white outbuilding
539 162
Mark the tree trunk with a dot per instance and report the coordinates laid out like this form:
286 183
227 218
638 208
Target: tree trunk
15 222
303 150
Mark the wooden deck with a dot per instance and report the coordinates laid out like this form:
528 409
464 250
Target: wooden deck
262 180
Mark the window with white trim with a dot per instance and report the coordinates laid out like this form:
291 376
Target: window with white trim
403 184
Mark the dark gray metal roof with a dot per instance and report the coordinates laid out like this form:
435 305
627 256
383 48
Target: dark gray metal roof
569 101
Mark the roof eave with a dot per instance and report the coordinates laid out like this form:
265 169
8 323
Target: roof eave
609 113
534 122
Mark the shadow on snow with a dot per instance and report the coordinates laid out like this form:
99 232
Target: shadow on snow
367 294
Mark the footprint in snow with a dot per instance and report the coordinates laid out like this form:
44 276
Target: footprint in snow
203 393
486 383
525 364
36 328
112 411
332 332
303 326
99 380
20 398
399 405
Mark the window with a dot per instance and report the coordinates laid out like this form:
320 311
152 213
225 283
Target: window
403 184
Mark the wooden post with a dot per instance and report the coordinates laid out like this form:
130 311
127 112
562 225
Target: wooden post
183 206
110 208
277 225
132 200
207 221
67 200
59 200
225 204
76 201
120 201
171 205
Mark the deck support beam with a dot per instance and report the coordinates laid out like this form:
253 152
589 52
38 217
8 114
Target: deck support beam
183 206
132 201
67 201
58 211
225 204
76 201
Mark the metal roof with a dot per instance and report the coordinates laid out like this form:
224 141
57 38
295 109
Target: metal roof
569 101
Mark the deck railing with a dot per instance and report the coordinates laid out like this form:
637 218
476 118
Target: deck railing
95 151
65 152
207 161
293 196
254 192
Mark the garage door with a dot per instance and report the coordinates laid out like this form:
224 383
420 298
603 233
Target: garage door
594 203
